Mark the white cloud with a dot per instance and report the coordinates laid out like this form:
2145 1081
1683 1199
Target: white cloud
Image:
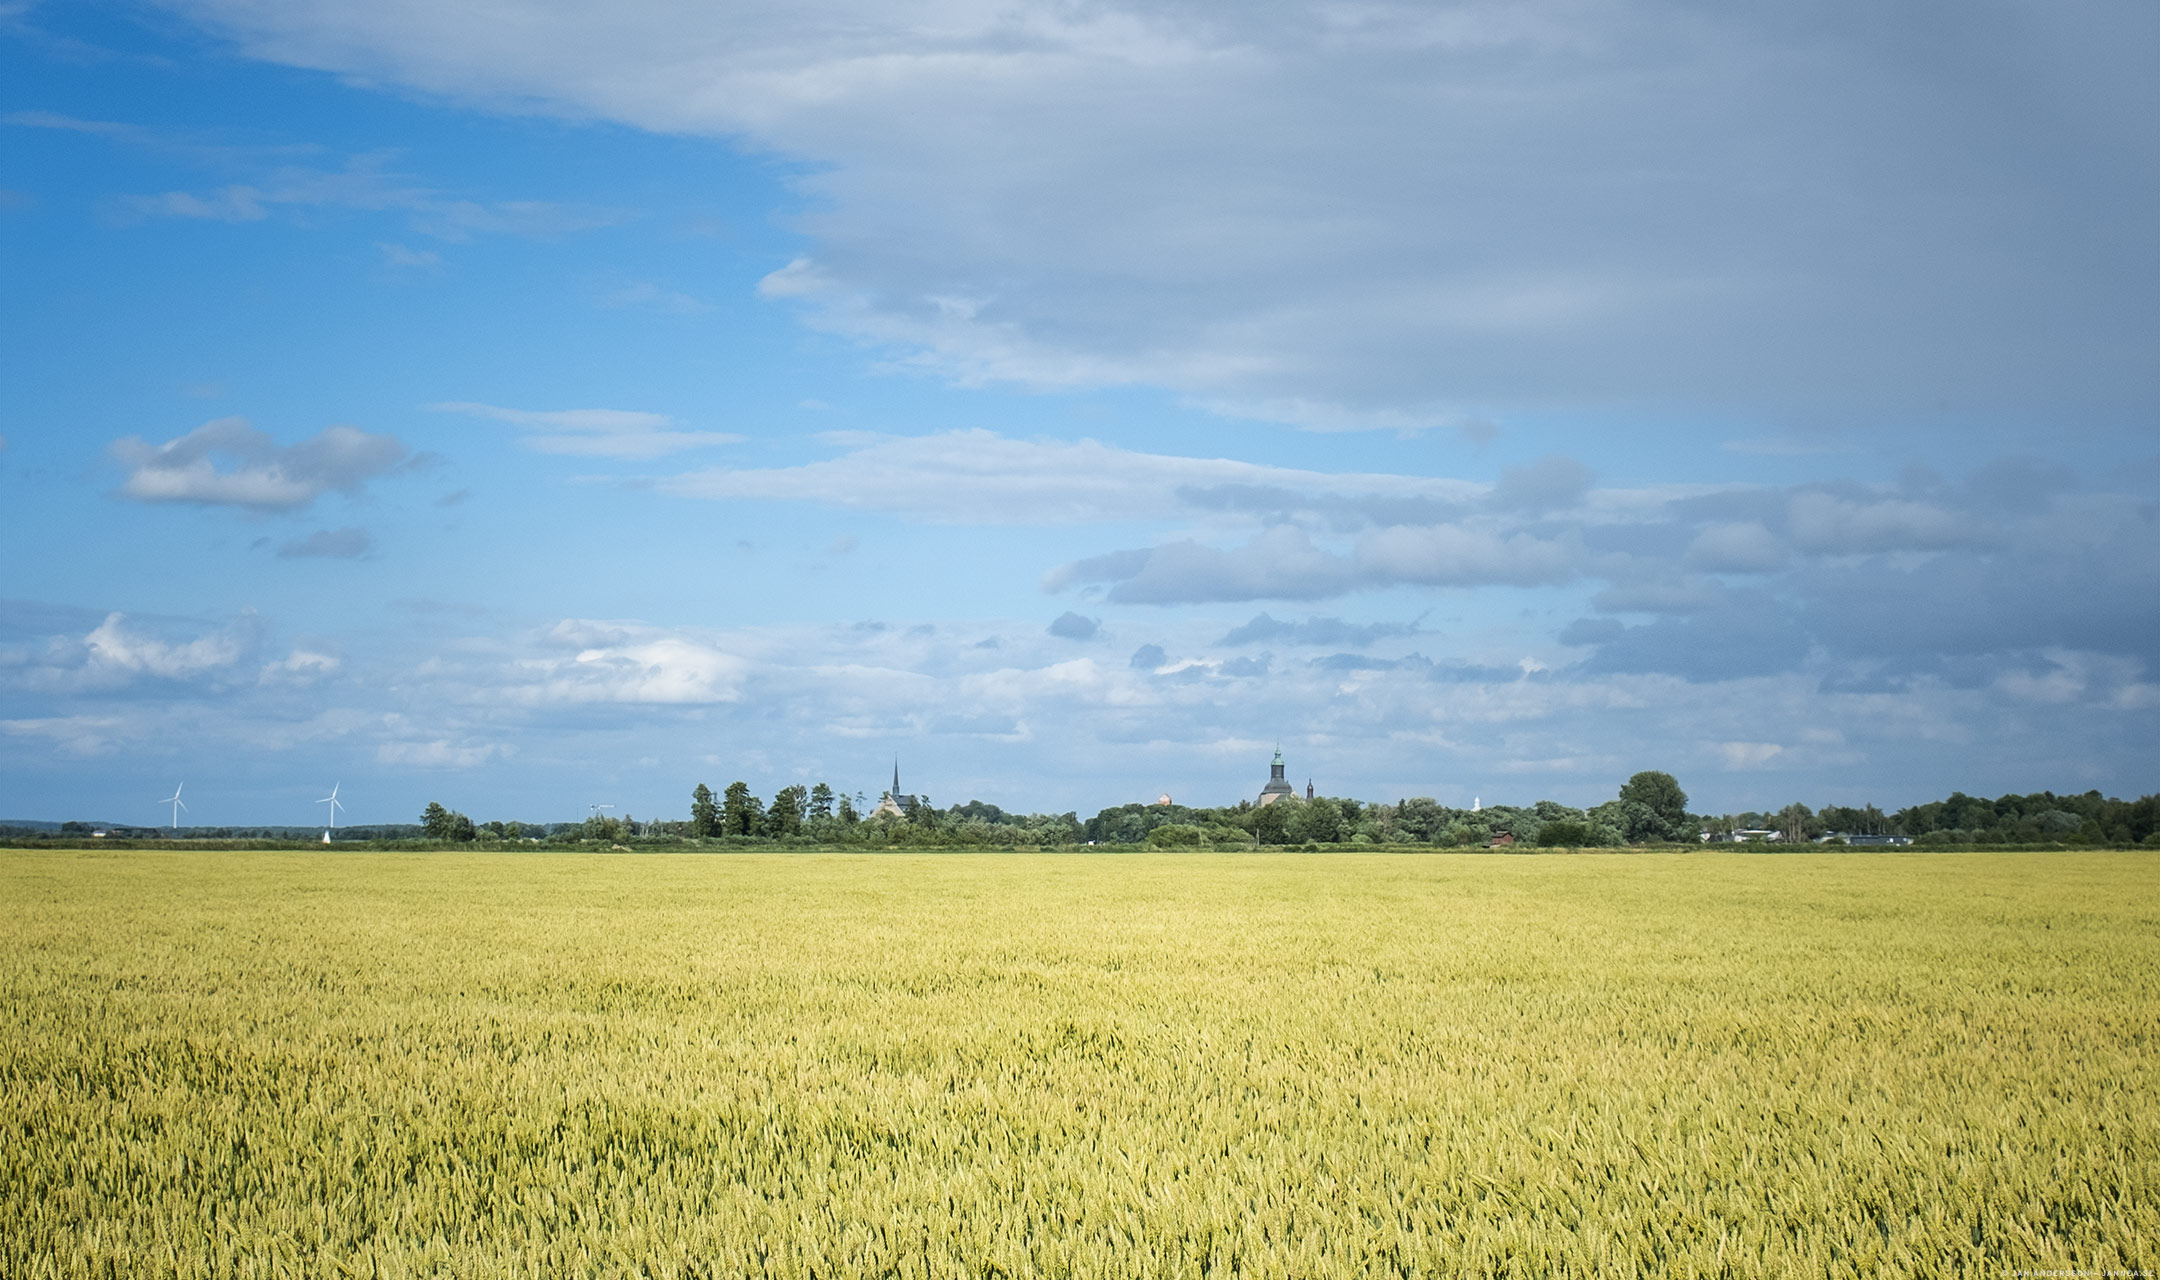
301 667
114 650
441 753
1748 755
259 473
596 433
624 663
979 477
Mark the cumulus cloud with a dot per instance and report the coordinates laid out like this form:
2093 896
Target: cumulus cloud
116 649
1389 213
301 667
349 543
600 662
1824 522
119 653
256 472
1073 626
596 433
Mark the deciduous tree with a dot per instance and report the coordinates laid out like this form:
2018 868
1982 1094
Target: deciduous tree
1663 815
704 813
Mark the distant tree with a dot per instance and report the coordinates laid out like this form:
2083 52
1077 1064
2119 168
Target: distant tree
704 813
821 802
740 813
1796 822
1317 821
1565 833
1421 818
847 812
436 820
1663 814
513 830
1271 823
785 817
921 813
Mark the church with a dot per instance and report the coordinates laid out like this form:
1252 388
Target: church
893 804
1277 787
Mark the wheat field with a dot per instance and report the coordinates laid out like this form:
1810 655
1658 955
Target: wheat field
350 1064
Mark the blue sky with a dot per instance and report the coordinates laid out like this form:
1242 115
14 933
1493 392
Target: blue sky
530 407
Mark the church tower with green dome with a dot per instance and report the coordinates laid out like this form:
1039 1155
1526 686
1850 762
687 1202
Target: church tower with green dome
1277 787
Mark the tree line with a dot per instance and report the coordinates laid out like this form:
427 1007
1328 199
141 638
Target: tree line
1649 809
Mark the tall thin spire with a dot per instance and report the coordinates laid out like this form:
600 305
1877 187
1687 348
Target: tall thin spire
896 779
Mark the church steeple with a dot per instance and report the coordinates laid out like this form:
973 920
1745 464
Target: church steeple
896 778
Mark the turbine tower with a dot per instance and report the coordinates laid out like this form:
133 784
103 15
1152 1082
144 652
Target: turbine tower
175 801
332 801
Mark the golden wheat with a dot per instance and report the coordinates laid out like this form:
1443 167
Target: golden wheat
547 1066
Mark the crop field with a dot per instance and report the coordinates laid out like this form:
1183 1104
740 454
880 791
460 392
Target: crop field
330 1064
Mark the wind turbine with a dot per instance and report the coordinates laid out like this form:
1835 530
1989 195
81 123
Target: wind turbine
175 802
332 801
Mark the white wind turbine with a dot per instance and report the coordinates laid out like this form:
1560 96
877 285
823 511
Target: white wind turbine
175 802
332 801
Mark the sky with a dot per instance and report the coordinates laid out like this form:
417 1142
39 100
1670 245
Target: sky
534 406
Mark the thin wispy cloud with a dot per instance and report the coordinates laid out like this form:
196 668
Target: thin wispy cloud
349 543
367 182
596 433
979 477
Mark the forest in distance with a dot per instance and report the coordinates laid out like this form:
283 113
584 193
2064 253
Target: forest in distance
1650 810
